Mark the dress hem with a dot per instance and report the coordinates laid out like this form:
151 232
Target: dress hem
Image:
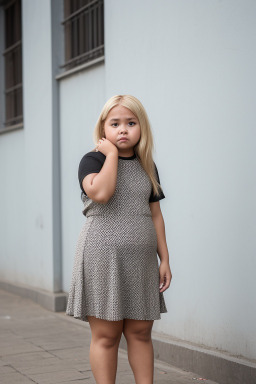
84 318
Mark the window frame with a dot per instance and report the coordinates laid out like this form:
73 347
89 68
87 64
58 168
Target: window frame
83 33
11 66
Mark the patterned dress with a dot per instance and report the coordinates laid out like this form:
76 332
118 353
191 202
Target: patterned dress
115 271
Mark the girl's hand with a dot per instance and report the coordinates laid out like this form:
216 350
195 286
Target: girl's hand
106 147
165 276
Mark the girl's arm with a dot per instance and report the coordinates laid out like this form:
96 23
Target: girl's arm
158 221
101 186
162 250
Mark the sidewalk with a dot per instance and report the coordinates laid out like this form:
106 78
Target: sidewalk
39 346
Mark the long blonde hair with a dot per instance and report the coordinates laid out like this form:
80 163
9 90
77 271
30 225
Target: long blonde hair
145 146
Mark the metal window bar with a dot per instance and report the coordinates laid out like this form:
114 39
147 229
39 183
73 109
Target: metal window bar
84 31
13 64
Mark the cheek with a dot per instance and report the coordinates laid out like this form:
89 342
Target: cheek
138 133
110 134
107 132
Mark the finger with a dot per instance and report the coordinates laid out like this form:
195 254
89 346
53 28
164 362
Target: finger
162 278
165 286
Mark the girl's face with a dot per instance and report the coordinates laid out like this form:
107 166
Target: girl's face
122 123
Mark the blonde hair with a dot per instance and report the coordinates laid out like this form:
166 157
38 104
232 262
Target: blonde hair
145 146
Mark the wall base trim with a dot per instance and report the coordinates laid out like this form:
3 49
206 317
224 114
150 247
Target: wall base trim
211 364
55 302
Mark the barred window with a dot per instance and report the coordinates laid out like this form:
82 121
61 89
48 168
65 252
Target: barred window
84 31
13 64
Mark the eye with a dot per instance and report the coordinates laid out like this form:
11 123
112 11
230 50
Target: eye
132 122
114 124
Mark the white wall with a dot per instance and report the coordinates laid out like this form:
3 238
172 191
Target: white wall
26 163
81 98
13 207
192 64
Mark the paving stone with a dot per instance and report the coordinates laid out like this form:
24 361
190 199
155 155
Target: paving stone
6 369
29 358
13 378
46 368
13 349
39 346
3 363
58 376
124 378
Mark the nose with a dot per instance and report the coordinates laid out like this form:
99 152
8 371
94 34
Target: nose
122 128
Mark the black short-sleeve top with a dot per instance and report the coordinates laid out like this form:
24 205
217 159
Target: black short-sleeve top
92 162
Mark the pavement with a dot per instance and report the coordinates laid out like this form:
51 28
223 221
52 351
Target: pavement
40 346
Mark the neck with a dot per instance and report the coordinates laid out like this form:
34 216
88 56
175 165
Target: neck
126 153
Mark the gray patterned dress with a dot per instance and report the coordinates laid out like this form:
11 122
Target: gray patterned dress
115 272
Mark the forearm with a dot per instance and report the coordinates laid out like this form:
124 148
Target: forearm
162 249
104 183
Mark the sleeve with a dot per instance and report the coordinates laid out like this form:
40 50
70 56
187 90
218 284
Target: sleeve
88 164
153 197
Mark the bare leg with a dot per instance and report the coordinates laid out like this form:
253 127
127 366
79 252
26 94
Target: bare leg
105 340
140 349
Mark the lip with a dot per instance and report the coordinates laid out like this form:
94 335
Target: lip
123 139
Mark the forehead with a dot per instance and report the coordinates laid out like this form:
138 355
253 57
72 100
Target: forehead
119 111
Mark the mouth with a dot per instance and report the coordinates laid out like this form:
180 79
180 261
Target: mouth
123 139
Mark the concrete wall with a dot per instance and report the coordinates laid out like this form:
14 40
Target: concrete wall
81 98
192 66
28 193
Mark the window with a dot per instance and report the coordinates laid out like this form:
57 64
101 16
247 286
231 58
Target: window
13 64
84 31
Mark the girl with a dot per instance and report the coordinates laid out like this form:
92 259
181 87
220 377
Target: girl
116 284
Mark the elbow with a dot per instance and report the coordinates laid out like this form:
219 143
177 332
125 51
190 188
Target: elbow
104 195
101 198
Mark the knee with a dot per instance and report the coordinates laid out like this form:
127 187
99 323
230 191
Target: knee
139 334
106 334
106 341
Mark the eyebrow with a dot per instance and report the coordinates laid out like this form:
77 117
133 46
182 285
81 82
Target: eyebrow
128 118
